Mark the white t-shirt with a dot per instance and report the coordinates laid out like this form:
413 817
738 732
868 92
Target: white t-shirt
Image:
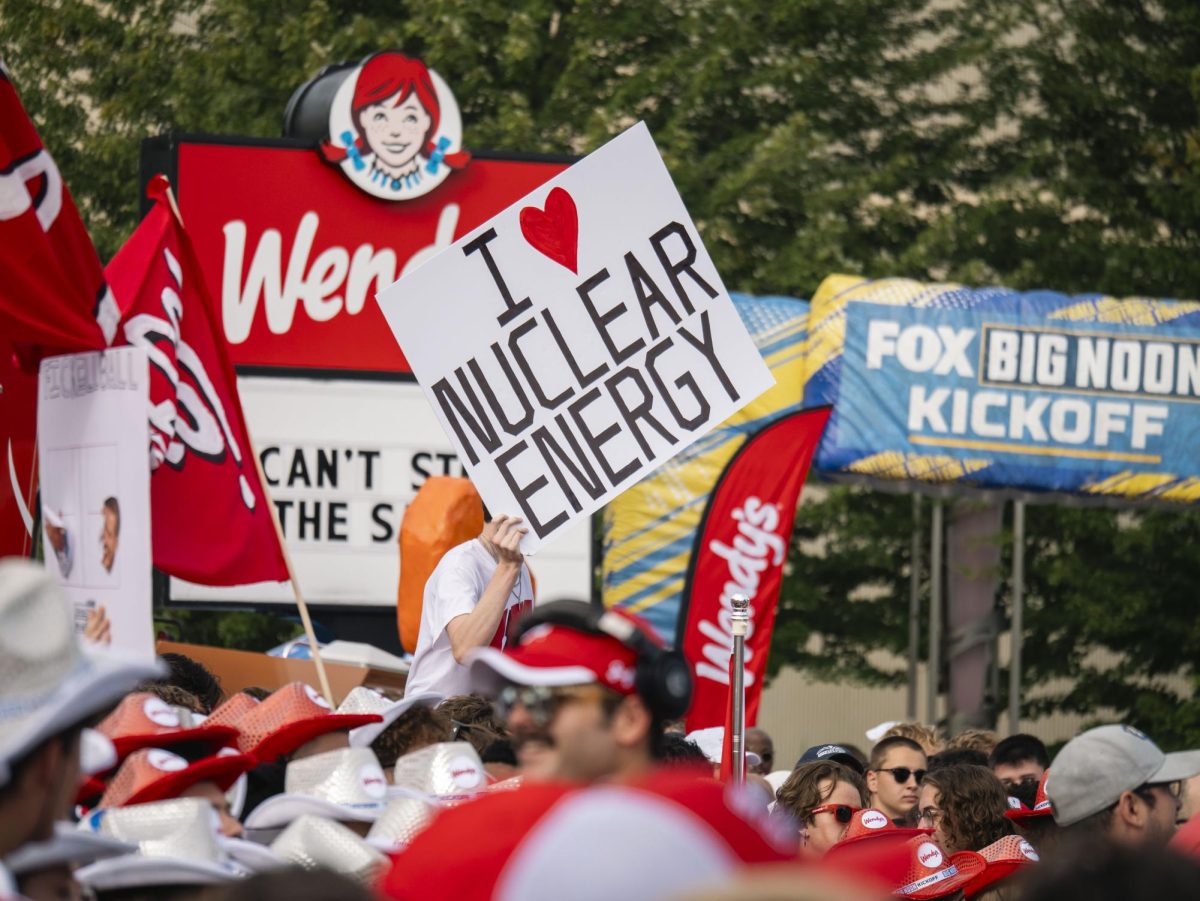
453 589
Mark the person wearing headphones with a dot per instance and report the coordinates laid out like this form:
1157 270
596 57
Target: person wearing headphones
585 691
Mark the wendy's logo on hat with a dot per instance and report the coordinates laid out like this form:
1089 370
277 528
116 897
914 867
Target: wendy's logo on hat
873 819
930 855
465 772
160 713
374 783
316 698
165 760
619 674
1027 850
394 128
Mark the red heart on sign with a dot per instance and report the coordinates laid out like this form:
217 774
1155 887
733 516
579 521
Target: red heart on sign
554 231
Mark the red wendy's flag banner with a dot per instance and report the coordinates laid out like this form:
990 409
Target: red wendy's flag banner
52 289
209 514
741 547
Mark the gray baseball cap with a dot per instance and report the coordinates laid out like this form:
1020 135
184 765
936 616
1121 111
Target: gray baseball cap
1093 769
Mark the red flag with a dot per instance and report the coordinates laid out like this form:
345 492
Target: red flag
211 523
52 290
740 549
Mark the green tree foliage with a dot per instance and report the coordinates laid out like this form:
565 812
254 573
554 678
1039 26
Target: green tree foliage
1022 142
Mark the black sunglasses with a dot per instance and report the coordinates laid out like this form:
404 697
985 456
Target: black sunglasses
902 773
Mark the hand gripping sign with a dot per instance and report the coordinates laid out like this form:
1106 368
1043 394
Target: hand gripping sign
577 340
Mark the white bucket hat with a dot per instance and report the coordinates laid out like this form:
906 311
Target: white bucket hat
450 770
47 683
69 847
366 700
346 784
404 817
712 742
314 842
176 842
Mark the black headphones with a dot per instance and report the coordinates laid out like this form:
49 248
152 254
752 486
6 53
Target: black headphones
663 678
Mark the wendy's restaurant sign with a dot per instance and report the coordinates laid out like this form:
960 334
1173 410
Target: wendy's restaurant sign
295 237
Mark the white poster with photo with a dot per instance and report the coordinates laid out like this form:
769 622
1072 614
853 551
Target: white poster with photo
578 340
95 490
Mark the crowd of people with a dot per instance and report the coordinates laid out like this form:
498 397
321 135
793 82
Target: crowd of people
558 767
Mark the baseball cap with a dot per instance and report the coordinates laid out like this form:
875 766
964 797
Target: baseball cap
836 753
555 655
1093 769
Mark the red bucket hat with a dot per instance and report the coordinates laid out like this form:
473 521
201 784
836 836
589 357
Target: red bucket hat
144 720
290 717
932 873
1041 804
230 712
870 823
155 774
1003 858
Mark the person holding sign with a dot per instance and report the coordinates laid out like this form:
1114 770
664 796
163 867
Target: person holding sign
472 599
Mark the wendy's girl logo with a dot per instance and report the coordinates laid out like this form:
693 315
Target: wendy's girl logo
394 128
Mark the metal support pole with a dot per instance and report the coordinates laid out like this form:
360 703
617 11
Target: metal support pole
1018 617
739 620
914 611
935 613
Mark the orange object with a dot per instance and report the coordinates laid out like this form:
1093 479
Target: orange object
446 512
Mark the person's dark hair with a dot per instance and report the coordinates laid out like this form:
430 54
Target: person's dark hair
296 884
957 757
1091 870
801 793
677 750
972 803
177 697
192 677
415 728
499 750
880 752
256 692
1017 749
473 719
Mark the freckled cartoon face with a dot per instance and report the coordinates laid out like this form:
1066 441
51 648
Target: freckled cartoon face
396 134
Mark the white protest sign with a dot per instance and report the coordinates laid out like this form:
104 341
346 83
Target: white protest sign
93 455
577 340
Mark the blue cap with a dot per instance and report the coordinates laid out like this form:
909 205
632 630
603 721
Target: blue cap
836 753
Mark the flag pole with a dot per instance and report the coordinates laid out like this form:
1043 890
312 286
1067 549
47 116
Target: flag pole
740 620
309 632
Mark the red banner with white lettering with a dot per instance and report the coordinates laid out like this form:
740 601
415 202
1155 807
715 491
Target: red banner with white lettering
742 544
52 289
210 519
